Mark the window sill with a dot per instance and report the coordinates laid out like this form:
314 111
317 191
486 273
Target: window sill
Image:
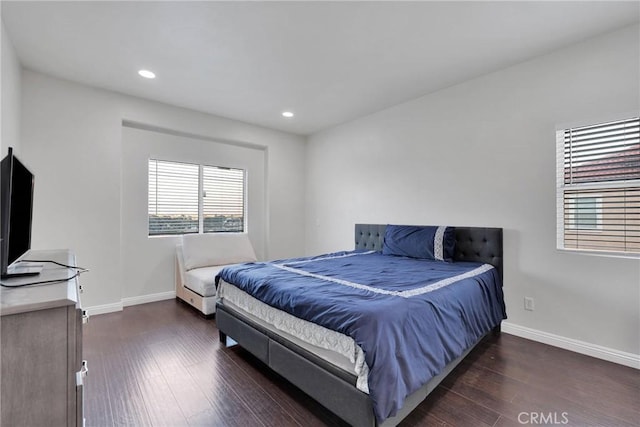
590 252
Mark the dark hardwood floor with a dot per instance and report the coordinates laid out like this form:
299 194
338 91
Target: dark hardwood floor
161 364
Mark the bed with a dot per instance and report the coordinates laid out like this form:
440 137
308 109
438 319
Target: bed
378 379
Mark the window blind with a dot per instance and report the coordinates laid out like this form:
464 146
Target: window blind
223 199
599 187
173 197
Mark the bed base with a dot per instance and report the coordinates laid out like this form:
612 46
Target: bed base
330 386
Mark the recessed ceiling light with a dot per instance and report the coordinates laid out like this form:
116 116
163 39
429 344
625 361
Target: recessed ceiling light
287 114
147 74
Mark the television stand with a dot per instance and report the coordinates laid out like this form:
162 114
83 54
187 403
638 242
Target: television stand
41 362
22 269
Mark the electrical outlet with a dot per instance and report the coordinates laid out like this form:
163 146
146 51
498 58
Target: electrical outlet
528 304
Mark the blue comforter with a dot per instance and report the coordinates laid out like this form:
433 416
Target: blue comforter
411 317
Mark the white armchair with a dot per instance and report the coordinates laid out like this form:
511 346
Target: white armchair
200 257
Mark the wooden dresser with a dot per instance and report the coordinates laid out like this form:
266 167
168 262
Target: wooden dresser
42 373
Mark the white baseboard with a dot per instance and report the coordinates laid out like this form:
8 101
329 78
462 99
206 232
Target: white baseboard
593 350
126 302
104 309
143 299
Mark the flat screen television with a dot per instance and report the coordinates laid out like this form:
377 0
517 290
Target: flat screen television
16 215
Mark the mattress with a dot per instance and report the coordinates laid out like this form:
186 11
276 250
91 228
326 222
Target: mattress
202 280
333 347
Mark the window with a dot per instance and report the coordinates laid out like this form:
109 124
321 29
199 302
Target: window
189 198
173 198
584 211
223 199
598 187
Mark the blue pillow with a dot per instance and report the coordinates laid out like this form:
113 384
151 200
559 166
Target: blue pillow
424 242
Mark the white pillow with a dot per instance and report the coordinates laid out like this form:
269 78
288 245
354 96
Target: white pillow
205 250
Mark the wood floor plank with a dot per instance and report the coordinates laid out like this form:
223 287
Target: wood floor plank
161 404
578 384
161 364
96 392
127 403
304 410
456 409
227 407
229 404
583 414
490 395
506 422
423 418
191 400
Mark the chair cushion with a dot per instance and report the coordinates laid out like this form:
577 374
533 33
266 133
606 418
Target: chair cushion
205 250
202 280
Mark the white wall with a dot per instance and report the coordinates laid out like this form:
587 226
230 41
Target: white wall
10 91
147 274
72 139
483 153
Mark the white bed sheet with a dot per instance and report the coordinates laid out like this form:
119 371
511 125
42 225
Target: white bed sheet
333 347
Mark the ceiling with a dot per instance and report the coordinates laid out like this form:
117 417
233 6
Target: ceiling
328 62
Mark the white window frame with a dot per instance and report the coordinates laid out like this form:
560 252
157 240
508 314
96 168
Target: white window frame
201 195
561 187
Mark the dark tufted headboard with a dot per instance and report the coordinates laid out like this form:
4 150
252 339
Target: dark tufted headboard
479 244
